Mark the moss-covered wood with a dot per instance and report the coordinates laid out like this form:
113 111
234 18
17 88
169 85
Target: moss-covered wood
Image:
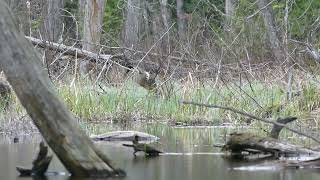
22 66
246 142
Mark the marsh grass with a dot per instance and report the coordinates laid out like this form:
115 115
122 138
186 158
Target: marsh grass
267 100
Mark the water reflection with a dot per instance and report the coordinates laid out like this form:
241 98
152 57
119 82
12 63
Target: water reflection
190 155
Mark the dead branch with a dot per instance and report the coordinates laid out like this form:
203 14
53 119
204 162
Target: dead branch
73 51
253 117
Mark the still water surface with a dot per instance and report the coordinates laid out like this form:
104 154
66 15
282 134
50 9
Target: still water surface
190 156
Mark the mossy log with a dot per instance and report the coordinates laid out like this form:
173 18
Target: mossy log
250 143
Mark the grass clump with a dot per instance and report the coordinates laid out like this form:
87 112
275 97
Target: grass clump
258 98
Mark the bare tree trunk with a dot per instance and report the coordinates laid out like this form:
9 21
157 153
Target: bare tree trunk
36 93
52 27
166 18
269 22
181 20
131 29
229 12
92 28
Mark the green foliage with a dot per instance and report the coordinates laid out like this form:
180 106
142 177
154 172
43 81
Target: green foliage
71 6
302 17
113 17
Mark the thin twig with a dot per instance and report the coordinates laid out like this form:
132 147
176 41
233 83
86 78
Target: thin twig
255 13
253 117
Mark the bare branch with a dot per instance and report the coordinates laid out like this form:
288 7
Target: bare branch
255 13
253 117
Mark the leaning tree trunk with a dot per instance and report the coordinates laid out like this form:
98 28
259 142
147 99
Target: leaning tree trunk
36 93
269 22
92 28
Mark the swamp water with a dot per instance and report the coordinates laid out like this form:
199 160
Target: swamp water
190 155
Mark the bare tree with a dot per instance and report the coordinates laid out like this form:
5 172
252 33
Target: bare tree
166 19
36 93
269 22
131 28
229 9
92 27
181 20
52 26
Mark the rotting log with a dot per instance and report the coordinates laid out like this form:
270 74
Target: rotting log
22 67
246 142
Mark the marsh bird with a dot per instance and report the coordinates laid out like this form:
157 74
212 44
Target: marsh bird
148 150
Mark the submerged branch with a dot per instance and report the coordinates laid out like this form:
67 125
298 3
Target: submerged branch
253 117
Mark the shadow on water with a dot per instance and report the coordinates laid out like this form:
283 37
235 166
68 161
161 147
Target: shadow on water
189 155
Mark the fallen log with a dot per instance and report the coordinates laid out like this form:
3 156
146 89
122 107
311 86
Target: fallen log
80 53
241 143
124 136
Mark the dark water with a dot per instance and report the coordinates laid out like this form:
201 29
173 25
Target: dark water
190 156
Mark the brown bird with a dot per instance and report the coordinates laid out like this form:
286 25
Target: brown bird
147 80
148 150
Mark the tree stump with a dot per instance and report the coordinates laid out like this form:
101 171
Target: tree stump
40 164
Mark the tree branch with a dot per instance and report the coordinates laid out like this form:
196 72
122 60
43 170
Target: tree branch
253 117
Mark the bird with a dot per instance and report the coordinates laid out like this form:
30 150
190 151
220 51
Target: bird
148 150
147 80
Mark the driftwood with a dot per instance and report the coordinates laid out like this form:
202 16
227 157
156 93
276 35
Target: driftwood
39 165
124 136
246 142
243 144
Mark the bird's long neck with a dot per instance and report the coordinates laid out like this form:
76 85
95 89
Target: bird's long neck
135 141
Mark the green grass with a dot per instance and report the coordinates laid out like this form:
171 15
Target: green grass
261 99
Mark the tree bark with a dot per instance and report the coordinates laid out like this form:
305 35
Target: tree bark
52 26
92 28
269 22
131 29
229 12
36 93
181 20
166 18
